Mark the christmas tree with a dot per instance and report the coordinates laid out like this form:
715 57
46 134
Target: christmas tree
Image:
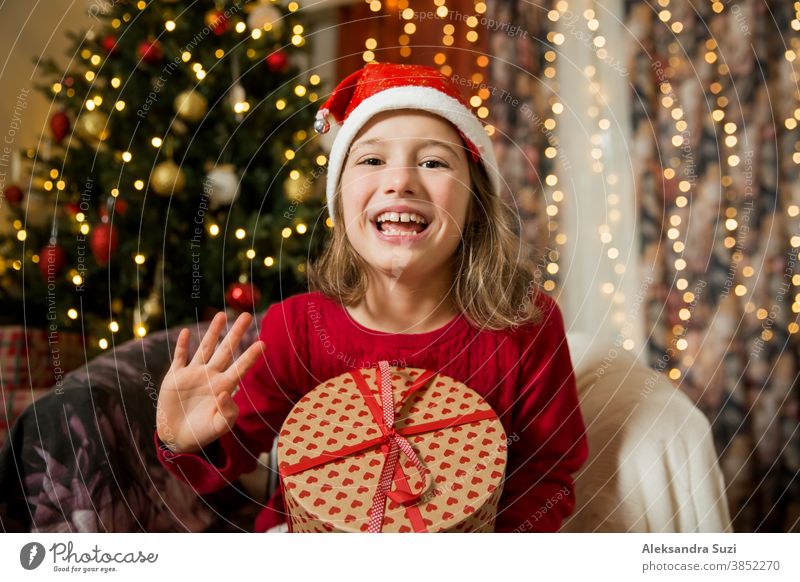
180 172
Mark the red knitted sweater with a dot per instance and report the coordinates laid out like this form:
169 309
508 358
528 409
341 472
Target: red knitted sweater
525 374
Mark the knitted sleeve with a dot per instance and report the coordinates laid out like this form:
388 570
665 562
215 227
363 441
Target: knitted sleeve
547 441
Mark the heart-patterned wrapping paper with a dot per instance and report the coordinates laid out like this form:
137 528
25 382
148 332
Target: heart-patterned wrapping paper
332 449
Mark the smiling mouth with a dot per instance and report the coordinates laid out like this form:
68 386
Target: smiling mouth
394 226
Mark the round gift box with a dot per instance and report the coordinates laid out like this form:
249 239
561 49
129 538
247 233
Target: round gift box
332 450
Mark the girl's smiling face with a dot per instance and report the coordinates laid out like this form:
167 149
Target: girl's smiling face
405 191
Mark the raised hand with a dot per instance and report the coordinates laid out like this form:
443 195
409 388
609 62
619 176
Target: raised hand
194 405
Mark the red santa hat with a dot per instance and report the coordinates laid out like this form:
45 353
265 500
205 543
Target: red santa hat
382 87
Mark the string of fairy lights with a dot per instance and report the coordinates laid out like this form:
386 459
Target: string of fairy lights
552 208
94 63
735 221
599 119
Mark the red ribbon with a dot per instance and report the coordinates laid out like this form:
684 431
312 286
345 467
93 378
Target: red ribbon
392 441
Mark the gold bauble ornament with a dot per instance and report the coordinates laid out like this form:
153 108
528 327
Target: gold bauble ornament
264 16
167 178
92 125
191 105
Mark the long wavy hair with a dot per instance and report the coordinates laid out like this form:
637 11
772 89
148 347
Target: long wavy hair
491 286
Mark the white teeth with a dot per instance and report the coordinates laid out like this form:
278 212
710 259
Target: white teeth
393 232
401 217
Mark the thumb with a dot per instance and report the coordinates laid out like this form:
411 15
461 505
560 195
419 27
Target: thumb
226 414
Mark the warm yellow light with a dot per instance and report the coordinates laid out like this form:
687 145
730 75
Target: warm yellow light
141 330
169 25
156 141
77 280
103 343
72 313
250 254
280 104
213 230
301 228
286 232
139 259
126 156
113 326
240 233
84 228
22 235
269 261
138 184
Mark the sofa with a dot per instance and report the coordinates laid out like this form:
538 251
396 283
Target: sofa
81 458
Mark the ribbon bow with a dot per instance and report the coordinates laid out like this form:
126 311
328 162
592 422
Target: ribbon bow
395 443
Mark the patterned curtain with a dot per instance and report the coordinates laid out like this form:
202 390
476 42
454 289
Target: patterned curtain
520 102
715 149
715 130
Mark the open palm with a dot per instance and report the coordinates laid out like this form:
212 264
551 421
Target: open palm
195 407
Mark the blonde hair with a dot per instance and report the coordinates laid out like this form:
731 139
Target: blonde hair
490 287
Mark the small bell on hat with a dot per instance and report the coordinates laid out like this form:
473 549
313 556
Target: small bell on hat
321 123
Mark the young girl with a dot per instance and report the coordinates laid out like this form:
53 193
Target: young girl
422 271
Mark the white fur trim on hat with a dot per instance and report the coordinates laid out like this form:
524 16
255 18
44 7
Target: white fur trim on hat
411 97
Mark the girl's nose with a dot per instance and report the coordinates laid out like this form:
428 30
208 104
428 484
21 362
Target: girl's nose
399 179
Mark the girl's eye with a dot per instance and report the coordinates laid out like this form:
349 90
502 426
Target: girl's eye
436 164
367 161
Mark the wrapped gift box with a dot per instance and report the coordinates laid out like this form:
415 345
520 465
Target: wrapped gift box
434 461
32 357
31 361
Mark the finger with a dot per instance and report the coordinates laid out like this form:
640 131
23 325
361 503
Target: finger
181 349
225 351
240 367
226 414
210 339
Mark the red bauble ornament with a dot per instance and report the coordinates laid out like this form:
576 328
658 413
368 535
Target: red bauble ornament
72 208
242 296
120 207
110 44
13 194
150 51
277 61
218 21
59 126
52 259
103 242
